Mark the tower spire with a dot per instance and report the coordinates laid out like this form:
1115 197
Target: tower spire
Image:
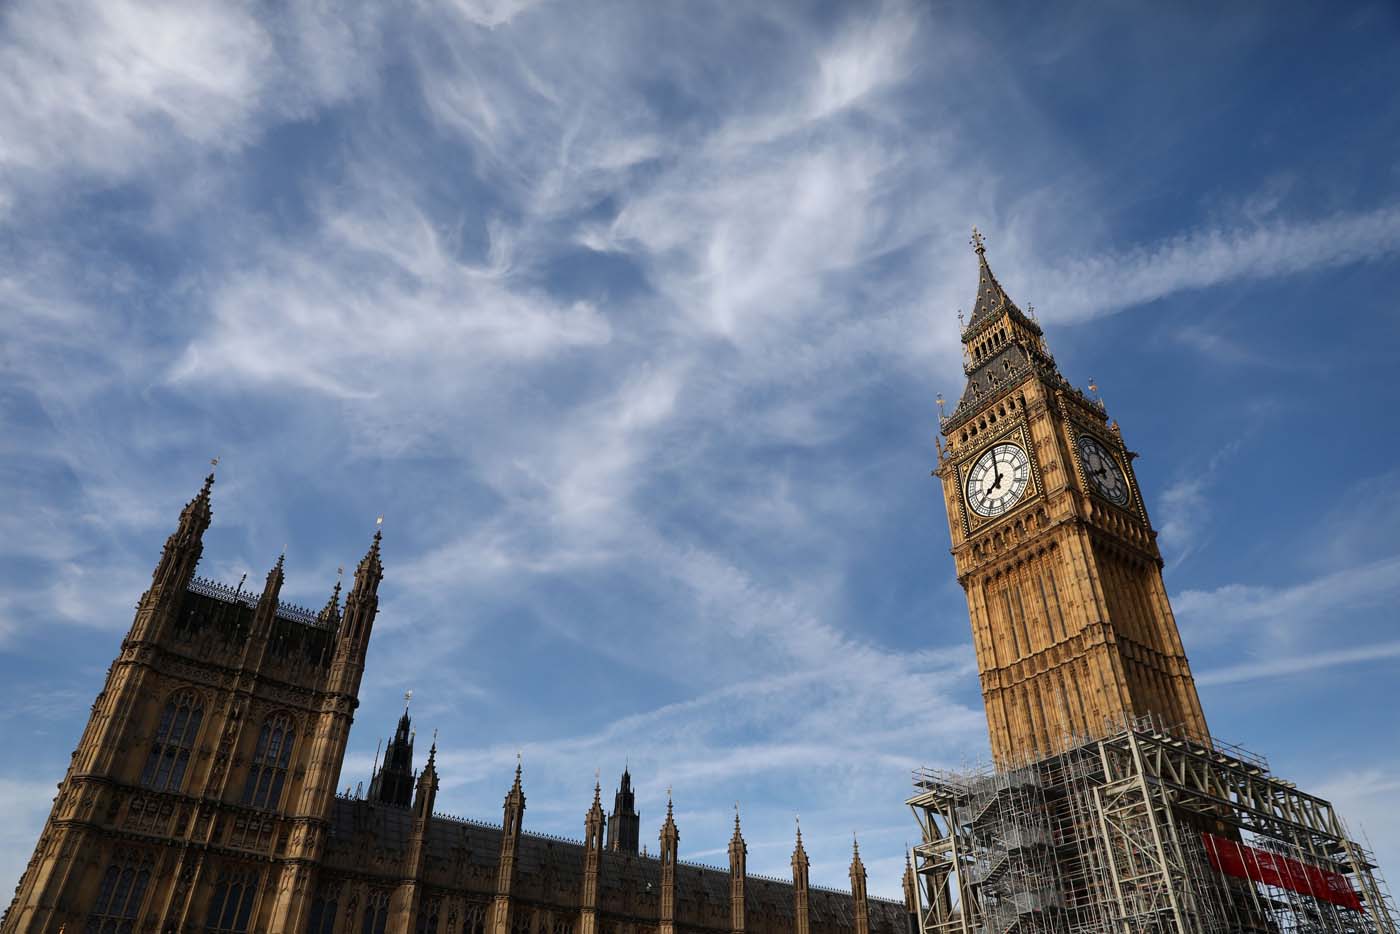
738 875
625 824
175 568
393 784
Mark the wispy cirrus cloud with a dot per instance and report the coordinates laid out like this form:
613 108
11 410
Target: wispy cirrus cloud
627 317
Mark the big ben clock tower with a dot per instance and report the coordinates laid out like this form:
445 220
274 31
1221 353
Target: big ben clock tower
1052 544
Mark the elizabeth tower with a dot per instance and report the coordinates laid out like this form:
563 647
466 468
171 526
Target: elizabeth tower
1053 548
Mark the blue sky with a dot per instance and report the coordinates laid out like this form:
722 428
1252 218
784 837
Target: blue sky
629 318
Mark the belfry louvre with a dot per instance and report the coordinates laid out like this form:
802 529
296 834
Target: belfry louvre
1111 807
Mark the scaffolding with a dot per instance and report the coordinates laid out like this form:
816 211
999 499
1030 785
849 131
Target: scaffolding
1142 830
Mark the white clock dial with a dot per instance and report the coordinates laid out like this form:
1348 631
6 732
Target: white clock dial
997 479
1102 471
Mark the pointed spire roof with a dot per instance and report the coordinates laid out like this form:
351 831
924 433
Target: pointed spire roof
737 834
194 518
330 613
991 297
278 571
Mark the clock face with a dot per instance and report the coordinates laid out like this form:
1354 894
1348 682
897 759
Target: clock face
997 480
1102 471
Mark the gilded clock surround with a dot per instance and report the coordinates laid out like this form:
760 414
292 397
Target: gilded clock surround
1014 432
1122 458
1070 618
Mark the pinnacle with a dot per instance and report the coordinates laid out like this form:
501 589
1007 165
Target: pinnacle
332 607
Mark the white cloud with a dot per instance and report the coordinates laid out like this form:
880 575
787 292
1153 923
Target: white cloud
1079 289
1285 613
124 87
1298 664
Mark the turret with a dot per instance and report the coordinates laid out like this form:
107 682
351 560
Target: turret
801 916
670 843
738 872
425 794
511 815
175 568
266 610
625 824
860 906
392 782
352 641
592 861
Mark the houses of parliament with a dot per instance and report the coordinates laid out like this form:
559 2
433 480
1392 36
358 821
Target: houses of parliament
202 793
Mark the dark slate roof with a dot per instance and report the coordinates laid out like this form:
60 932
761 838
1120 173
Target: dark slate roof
991 297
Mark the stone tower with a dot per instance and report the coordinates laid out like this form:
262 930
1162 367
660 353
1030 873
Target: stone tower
200 790
624 824
392 782
1053 548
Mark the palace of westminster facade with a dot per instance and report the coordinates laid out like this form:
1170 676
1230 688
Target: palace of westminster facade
202 793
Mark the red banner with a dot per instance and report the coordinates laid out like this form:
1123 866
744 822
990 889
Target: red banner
1246 862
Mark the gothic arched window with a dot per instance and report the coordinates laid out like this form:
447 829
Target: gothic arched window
175 736
269 769
376 914
120 893
323 911
232 904
428 917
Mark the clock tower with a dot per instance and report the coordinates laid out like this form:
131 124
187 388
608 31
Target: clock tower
1053 547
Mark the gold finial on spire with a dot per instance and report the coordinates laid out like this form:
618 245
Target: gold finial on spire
941 402
379 520
961 325
978 242
213 462
407 696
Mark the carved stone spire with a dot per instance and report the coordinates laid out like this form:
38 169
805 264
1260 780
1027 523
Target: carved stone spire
357 622
860 905
512 814
625 824
330 613
176 566
670 841
393 782
266 611
592 861
738 873
425 795
800 863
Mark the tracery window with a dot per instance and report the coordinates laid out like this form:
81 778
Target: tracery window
324 908
428 917
175 736
120 893
232 904
268 772
475 920
376 914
